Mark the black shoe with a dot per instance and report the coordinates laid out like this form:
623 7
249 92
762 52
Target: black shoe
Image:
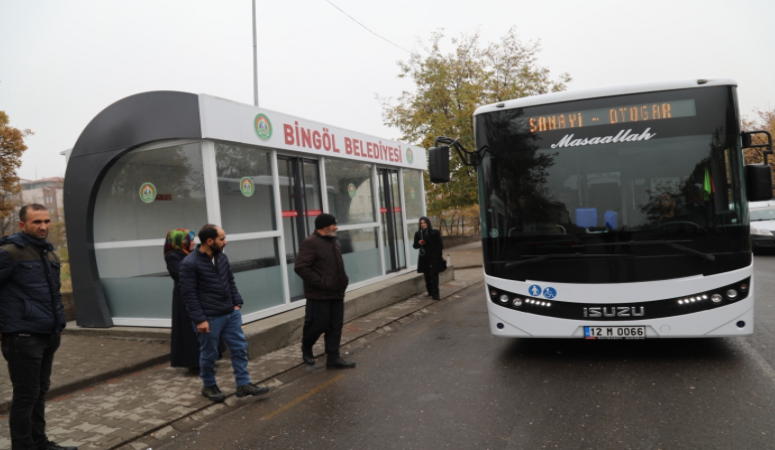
435 297
339 363
251 389
54 446
307 356
213 393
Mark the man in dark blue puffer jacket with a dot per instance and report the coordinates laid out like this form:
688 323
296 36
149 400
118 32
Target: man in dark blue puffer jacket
208 289
31 320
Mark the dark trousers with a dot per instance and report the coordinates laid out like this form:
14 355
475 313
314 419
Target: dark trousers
29 357
324 316
432 282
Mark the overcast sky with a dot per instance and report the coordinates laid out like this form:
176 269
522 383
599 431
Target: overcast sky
64 61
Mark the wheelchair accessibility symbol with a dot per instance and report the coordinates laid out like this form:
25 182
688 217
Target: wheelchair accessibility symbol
550 293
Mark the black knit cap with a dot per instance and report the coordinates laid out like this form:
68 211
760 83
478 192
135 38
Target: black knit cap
324 220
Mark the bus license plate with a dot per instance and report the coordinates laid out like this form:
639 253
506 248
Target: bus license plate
614 332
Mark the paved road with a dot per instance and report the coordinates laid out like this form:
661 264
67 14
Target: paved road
445 382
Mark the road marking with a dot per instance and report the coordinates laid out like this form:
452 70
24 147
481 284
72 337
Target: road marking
303 397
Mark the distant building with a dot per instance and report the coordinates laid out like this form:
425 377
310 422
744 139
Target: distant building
46 192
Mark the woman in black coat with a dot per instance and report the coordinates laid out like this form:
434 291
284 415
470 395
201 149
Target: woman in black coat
429 242
184 345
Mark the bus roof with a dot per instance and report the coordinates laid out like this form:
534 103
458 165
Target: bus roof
608 91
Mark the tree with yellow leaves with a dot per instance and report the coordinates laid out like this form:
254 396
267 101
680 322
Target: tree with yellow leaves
448 89
765 121
11 149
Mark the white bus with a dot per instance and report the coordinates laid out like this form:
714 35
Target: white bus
617 213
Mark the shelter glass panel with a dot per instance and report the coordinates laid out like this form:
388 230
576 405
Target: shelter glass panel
136 282
413 190
245 188
149 192
256 267
360 252
349 190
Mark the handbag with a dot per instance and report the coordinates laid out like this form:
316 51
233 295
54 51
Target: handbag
443 265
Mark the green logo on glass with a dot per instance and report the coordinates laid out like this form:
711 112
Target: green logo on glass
247 187
409 155
263 127
147 192
411 193
351 189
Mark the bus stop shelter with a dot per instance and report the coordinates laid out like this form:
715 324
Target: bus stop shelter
157 161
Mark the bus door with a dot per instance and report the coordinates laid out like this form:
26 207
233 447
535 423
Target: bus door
392 221
301 203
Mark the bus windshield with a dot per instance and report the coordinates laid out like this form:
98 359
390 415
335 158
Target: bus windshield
617 189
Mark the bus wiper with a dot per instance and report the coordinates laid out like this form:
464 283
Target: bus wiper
533 258
674 244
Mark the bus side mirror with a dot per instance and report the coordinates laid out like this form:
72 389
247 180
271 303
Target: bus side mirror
747 141
758 182
438 164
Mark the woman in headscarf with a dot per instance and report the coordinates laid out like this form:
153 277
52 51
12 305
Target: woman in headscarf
428 241
184 346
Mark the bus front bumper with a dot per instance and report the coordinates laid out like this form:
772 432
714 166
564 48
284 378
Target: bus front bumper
732 320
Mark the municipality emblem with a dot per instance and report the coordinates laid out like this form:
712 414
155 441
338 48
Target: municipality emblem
247 187
411 193
263 127
147 192
351 190
409 155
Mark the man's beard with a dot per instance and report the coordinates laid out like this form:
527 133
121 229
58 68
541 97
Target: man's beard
217 249
35 234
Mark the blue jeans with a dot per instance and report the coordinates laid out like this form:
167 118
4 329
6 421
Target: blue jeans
229 328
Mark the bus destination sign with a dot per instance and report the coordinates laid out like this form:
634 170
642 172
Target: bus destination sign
614 115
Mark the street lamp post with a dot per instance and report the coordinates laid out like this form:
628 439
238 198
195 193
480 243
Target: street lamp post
255 58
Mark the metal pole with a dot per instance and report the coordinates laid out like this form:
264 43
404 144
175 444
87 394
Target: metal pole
255 58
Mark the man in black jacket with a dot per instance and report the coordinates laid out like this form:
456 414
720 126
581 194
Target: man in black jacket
31 320
319 264
212 301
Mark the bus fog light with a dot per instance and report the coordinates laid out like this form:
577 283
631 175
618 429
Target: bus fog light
732 294
716 298
741 324
517 302
500 326
504 298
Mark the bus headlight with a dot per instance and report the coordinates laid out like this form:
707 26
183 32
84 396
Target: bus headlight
504 298
517 302
716 298
761 232
732 294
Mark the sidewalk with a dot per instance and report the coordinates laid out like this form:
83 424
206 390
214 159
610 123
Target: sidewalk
466 256
148 395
